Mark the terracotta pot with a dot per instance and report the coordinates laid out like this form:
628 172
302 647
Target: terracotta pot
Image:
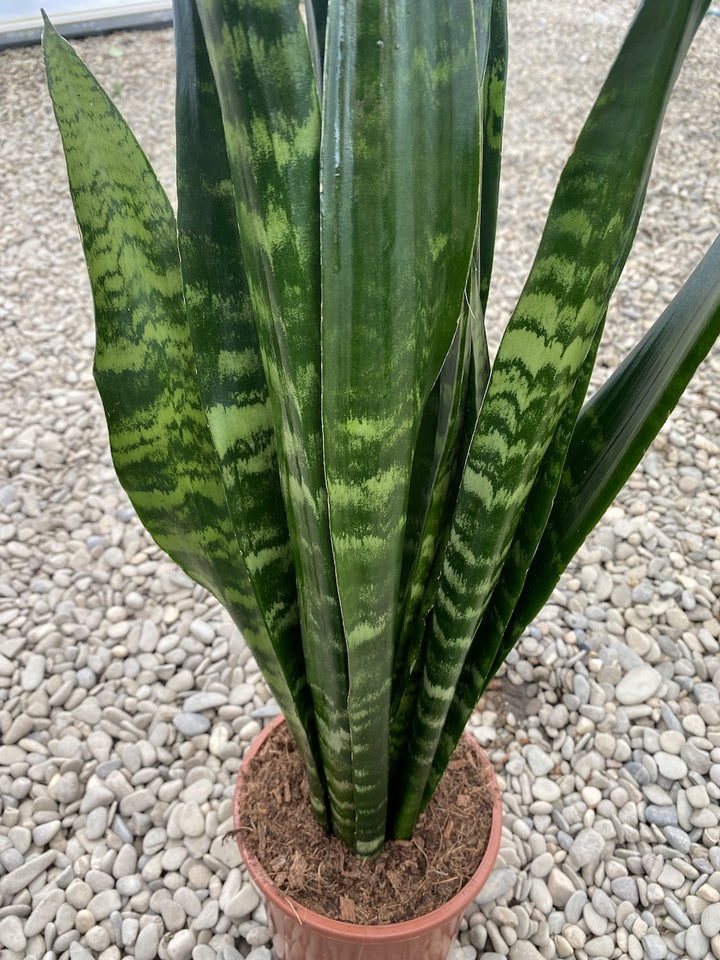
301 934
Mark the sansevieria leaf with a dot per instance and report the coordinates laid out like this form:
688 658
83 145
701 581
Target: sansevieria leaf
144 362
618 424
400 125
493 103
589 231
268 94
226 348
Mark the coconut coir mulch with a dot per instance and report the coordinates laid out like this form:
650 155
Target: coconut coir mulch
408 879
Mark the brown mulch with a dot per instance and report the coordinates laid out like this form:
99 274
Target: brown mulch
408 879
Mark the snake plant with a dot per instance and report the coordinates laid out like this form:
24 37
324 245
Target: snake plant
294 367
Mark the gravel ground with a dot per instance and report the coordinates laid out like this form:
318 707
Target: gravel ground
127 699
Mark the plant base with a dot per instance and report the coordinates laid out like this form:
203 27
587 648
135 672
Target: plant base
300 933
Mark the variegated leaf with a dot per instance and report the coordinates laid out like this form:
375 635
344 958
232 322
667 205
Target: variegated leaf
267 88
589 232
400 181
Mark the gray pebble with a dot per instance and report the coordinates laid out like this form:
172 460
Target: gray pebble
524 950
180 946
587 846
710 920
12 935
33 673
243 903
661 816
259 953
625 888
638 685
575 905
147 942
191 724
697 944
655 947
678 839
499 883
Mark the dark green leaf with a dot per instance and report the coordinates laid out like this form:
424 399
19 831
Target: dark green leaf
144 364
618 424
267 88
586 240
400 184
229 365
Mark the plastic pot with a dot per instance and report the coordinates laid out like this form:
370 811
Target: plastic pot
302 934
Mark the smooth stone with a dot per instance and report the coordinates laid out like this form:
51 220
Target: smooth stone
672 741
198 792
197 702
661 816
670 877
243 903
78 894
546 790
697 760
638 686
539 762
180 945
186 820
670 766
12 935
103 904
497 885
560 886
202 631
654 946
457 953
698 796
638 772
44 832
710 921
540 896
22 876
706 693
191 724
147 942
79 952
575 905
96 796
44 912
258 936
678 839
602 946
32 675
587 846
262 953
625 888
542 865
208 916
603 905
524 950
697 945
125 862
174 917
96 823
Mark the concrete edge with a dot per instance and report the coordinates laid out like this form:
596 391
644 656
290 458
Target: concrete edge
149 14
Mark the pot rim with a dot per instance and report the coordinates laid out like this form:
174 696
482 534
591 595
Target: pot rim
454 907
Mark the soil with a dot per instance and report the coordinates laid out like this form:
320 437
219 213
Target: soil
408 879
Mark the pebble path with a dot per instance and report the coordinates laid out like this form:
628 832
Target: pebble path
127 698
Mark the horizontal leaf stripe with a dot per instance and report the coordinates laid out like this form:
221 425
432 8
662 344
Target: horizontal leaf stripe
490 644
